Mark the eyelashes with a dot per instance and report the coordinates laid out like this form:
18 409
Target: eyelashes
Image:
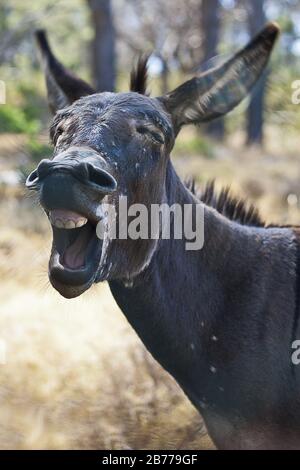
56 134
156 136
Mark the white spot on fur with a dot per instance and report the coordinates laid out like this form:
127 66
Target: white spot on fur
128 283
202 404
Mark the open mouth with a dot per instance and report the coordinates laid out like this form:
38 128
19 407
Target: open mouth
76 252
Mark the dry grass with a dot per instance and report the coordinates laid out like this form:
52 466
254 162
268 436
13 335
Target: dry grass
76 375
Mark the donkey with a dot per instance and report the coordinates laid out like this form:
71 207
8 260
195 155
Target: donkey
221 320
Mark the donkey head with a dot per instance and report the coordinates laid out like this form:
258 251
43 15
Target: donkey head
109 145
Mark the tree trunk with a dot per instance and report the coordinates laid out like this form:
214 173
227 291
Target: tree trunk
255 112
210 22
103 45
164 76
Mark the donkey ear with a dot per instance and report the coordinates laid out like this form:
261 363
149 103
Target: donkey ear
62 86
219 90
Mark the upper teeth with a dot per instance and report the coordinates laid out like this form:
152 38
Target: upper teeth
68 223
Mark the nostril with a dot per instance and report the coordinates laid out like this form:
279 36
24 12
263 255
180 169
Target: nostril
36 175
105 181
32 180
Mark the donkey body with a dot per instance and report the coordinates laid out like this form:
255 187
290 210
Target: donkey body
220 320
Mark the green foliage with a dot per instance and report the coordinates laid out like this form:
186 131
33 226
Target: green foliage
14 119
280 109
194 145
32 102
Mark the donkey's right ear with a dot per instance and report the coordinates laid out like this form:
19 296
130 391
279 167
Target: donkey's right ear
63 87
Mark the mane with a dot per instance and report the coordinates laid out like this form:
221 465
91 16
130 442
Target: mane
228 205
139 75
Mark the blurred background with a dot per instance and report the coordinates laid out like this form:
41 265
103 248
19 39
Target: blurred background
72 373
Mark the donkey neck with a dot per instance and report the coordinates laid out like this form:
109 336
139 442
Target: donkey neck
179 289
186 302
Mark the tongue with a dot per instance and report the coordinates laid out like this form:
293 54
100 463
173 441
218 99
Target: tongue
74 256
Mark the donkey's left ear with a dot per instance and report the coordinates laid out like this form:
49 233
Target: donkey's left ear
219 90
62 86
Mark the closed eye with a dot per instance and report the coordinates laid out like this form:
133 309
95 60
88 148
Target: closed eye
56 134
156 136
